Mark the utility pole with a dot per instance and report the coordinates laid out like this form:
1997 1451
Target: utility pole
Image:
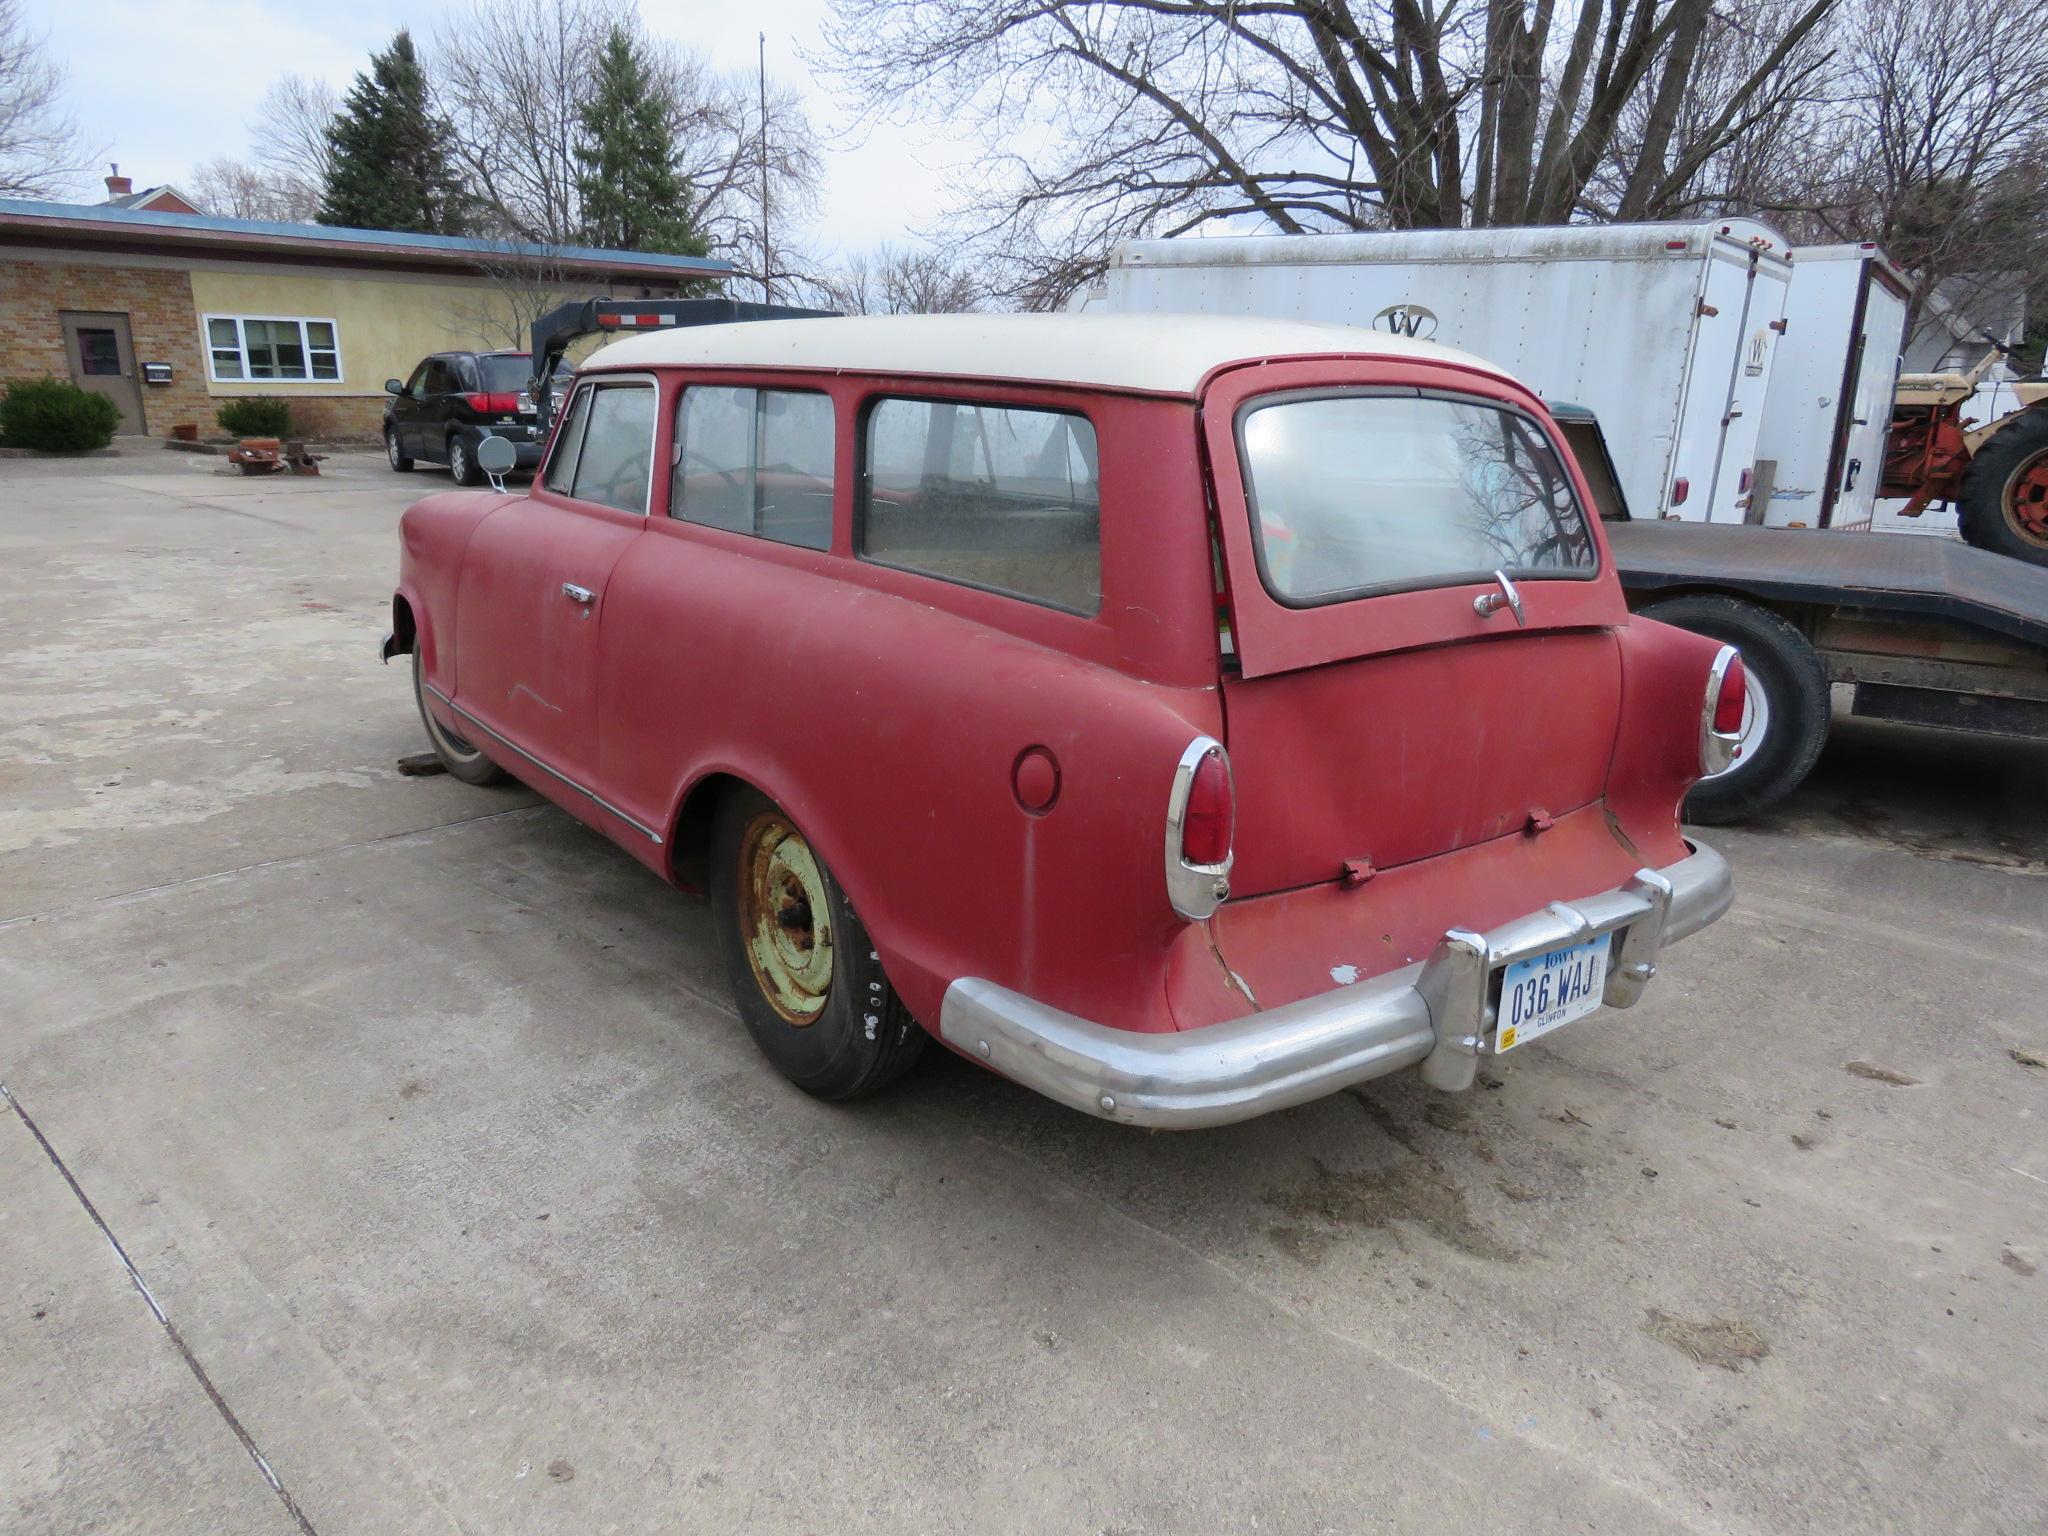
767 262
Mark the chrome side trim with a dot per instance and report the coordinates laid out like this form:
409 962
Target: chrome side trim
1195 890
554 773
1717 751
1438 1014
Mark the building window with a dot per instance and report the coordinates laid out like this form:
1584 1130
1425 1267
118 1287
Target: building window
250 347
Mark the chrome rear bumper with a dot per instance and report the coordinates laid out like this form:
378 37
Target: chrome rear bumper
1438 1014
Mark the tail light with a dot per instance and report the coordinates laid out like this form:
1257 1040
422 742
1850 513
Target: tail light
1721 712
1680 489
493 405
1201 814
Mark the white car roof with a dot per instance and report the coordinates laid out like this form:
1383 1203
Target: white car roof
1155 353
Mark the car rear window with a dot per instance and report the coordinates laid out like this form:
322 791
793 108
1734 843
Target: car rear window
1003 497
755 461
1357 494
505 373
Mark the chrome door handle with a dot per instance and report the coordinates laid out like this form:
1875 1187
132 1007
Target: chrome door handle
577 594
1489 603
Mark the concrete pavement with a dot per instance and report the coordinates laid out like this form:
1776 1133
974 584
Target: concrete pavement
422 1114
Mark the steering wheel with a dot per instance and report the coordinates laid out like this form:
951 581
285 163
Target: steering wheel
631 479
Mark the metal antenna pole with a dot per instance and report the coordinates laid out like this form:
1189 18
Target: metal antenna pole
767 262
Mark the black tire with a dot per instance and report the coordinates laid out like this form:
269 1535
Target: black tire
462 461
841 1033
1782 666
2008 478
462 760
400 461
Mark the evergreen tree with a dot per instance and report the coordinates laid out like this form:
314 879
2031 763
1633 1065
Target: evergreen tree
633 197
390 169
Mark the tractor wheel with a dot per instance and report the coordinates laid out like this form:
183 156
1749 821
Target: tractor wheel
2004 504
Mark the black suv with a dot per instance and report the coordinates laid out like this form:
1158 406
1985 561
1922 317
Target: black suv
452 402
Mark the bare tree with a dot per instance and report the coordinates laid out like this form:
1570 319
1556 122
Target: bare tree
234 189
892 281
1159 116
41 153
512 78
291 148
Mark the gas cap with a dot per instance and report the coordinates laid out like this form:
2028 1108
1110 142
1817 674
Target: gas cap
1036 780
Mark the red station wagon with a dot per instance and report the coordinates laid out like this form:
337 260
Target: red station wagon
1186 717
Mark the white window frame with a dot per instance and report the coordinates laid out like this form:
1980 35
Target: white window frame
242 347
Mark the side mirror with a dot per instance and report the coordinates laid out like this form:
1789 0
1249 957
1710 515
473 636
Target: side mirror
394 386
494 456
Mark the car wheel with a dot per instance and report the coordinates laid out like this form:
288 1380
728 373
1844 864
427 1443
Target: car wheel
1784 718
2004 501
807 980
396 454
462 462
462 760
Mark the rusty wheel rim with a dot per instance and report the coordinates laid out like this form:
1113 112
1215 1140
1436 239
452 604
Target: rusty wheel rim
2026 499
785 919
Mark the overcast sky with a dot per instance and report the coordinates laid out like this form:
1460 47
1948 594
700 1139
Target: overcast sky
166 85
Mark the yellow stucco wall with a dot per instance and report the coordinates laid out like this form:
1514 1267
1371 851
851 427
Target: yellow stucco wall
385 324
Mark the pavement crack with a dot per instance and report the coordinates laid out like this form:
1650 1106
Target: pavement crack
192 1363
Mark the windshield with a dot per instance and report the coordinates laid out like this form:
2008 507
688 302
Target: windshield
1353 494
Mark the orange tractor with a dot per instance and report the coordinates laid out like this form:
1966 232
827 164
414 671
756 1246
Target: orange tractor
1995 474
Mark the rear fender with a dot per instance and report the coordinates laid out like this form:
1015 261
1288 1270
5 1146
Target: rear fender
1656 749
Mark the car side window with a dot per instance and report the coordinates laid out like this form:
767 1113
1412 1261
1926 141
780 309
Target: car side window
465 374
440 377
1004 497
756 461
615 459
417 384
569 443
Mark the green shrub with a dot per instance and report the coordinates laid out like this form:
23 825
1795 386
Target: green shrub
55 417
255 416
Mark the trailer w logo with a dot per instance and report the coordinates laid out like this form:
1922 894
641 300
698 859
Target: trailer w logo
1406 320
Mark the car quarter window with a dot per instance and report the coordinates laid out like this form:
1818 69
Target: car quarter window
615 453
1006 497
755 461
561 476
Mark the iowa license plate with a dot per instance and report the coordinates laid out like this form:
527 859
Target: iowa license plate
1542 992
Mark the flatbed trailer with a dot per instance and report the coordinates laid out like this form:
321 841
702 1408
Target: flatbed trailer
1892 626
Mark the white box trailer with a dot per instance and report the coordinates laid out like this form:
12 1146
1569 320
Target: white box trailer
1665 332
1820 451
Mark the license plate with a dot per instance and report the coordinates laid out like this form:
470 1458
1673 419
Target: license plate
1542 992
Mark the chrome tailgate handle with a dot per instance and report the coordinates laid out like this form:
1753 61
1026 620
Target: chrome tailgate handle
577 594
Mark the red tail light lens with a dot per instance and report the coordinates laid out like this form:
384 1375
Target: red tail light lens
1205 830
1729 701
493 405
1680 489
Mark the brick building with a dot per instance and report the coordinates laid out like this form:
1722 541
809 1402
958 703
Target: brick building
171 313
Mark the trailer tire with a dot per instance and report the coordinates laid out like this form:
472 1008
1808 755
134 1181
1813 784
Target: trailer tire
2004 502
1789 699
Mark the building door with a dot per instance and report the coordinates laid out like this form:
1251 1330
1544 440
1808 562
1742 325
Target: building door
102 359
